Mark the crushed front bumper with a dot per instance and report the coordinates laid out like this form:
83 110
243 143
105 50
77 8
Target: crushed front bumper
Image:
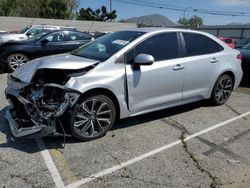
28 132
25 117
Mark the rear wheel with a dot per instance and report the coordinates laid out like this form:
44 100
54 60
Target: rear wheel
16 60
93 117
222 90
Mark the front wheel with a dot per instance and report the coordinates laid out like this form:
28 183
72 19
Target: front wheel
222 90
93 117
16 60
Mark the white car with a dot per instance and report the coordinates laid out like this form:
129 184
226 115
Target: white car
31 31
119 75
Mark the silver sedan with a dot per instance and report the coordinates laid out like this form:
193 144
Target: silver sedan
119 75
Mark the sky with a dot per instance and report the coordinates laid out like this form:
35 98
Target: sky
125 10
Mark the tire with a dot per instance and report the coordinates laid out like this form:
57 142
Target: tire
222 90
16 60
93 117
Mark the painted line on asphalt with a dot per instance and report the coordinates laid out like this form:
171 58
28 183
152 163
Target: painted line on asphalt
50 164
153 152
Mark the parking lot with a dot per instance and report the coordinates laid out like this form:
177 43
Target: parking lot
195 145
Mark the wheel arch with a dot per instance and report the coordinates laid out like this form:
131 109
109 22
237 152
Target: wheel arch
107 93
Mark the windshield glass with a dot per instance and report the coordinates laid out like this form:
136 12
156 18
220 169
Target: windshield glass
37 37
24 30
104 47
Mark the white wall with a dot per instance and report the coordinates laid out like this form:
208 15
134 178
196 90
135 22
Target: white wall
17 23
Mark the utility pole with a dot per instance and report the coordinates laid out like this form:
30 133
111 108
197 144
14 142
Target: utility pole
110 5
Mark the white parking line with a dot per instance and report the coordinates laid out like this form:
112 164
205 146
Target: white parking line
141 157
50 164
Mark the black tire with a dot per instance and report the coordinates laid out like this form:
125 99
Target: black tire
16 60
93 117
222 90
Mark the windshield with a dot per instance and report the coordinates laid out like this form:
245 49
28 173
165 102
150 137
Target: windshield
104 47
37 37
24 30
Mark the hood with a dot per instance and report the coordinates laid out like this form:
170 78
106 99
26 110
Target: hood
61 61
13 37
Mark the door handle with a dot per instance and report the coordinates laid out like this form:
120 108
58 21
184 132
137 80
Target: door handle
214 60
178 67
61 46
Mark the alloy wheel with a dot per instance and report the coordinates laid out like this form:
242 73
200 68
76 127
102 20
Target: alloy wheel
223 89
93 118
16 60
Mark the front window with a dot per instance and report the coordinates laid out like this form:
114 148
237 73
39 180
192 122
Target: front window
104 47
37 37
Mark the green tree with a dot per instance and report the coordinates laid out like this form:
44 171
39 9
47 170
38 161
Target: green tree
194 21
6 6
72 6
96 15
27 8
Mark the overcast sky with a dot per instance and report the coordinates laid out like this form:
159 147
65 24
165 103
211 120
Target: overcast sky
127 10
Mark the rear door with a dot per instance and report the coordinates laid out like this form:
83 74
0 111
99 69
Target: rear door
201 65
158 84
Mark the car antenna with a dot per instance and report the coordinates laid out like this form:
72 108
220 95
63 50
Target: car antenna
32 21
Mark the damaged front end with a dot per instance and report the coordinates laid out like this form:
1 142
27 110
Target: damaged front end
39 107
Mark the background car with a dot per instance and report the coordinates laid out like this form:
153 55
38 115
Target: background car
31 31
229 41
15 54
245 52
242 42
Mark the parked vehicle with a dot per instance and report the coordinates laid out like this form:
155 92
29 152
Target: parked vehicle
119 75
229 41
245 51
31 31
2 32
242 42
15 54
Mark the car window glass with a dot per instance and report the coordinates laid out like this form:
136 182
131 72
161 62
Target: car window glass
72 36
195 44
161 46
228 41
35 30
56 37
104 47
212 46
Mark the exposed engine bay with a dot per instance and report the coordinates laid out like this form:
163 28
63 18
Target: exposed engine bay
43 106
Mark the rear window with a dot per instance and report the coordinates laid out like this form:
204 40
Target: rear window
197 44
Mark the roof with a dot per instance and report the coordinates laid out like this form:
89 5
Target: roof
159 29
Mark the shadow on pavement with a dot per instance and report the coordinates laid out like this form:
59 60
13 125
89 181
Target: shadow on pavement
57 142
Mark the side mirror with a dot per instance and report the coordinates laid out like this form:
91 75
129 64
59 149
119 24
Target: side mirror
29 35
143 59
44 41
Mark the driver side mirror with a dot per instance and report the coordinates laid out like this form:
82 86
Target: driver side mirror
143 59
44 41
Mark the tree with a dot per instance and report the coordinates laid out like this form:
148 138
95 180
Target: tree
72 6
97 15
194 21
58 9
6 6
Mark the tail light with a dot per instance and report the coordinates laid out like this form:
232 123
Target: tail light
239 56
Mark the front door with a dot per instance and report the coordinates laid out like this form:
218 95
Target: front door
157 85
